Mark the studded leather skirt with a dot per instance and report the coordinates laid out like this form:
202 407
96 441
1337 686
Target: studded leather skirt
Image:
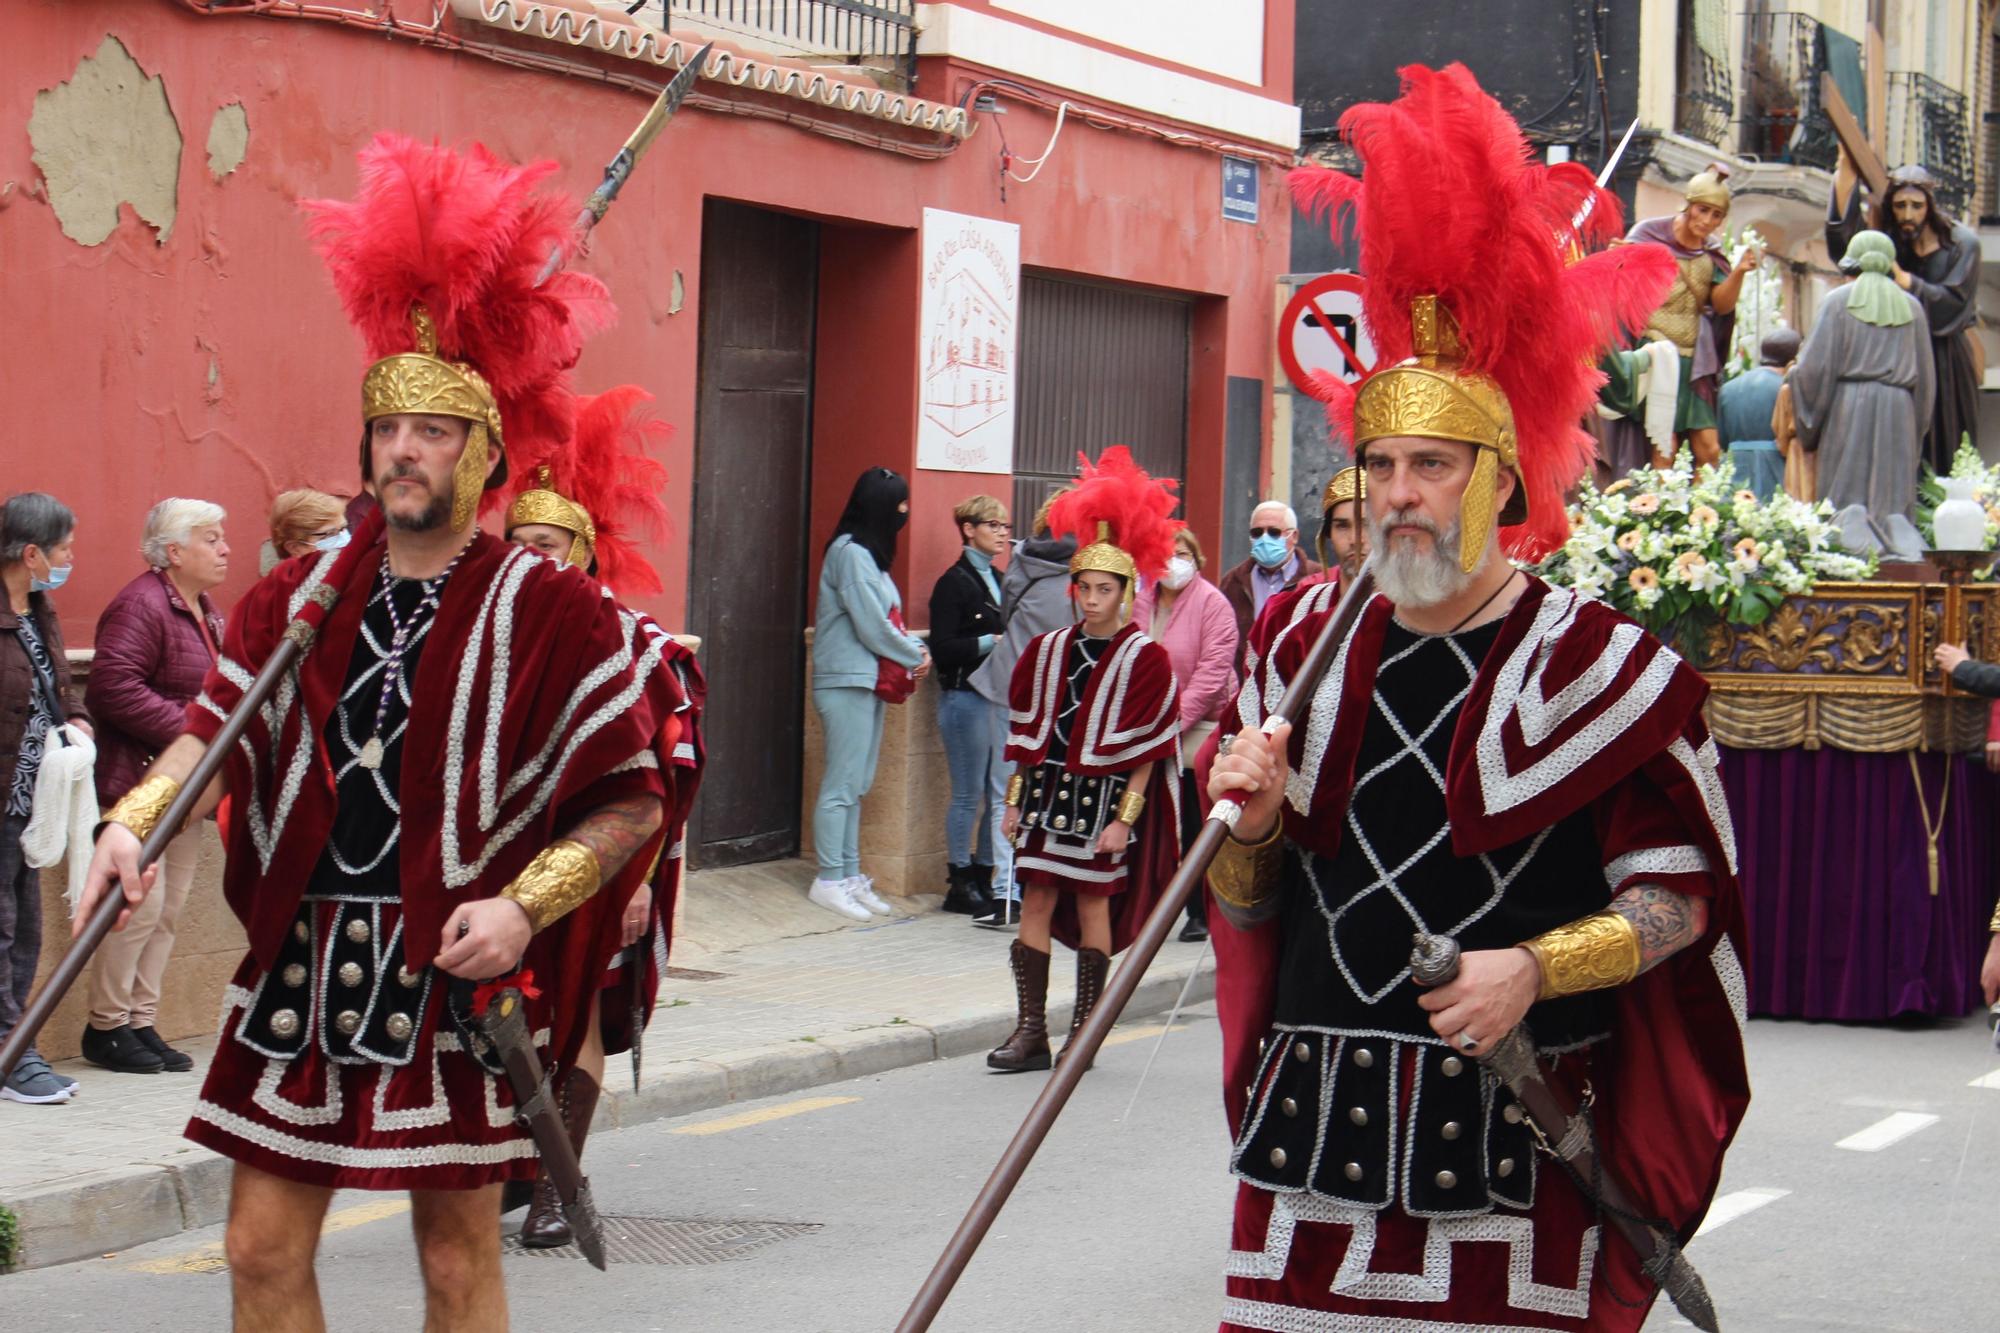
1062 816
340 1066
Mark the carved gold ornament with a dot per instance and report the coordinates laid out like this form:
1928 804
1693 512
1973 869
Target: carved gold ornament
142 808
1101 557
547 506
1591 953
423 383
558 881
1346 484
1244 875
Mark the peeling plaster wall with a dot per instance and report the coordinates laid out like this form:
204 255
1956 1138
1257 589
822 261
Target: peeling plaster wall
105 137
228 139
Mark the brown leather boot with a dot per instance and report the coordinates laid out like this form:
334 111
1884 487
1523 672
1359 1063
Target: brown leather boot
1092 967
1028 1047
545 1227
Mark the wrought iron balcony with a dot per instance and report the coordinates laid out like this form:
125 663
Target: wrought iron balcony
1706 100
877 34
1929 125
1783 119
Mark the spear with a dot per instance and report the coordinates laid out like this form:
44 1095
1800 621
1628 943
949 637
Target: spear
1083 1047
620 168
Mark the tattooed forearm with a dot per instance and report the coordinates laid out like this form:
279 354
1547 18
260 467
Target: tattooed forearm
1666 922
615 832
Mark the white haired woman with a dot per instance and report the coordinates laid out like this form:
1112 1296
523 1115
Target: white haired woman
155 644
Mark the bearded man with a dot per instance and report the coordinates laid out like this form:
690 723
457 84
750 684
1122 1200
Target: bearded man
459 778
1937 261
1490 759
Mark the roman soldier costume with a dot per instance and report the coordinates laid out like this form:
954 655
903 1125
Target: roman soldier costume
604 491
1084 713
442 734
1499 786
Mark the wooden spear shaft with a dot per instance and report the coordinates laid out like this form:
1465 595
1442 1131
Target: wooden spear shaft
1077 1057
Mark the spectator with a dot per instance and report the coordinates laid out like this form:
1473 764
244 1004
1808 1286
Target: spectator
1034 599
1275 565
155 644
1745 409
1189 617
36 694
304 521
965 624
859 628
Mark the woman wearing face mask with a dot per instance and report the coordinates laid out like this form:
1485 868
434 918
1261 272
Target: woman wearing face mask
304 522
1189 617
853 635
155 644
36 696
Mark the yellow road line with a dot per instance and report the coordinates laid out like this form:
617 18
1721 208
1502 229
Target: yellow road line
1123 1035
764 1115
208 1258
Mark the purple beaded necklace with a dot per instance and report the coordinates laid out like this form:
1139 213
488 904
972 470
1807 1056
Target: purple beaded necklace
405 630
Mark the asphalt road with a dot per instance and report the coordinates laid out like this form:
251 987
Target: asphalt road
1863 1194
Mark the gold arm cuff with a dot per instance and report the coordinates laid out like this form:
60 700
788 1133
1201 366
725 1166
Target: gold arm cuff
1130 806
1591 953
1244 875
558 881
1016 785
142 808
1994 924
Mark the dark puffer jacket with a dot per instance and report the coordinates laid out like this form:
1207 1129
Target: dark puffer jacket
150 660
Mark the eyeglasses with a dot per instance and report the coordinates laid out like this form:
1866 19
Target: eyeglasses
1255 533
330 532
996 525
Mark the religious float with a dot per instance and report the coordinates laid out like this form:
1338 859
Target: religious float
1855 772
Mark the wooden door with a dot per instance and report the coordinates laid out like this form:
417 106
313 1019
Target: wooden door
747 562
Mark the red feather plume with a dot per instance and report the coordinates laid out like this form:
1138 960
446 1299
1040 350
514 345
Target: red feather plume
1452 203
1139 508
467 234
610 470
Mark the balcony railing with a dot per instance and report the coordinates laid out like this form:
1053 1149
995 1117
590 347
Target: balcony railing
1706 101
1929 125
877 34
1783 119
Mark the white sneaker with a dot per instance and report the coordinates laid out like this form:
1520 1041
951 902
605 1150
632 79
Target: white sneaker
834 896
862 890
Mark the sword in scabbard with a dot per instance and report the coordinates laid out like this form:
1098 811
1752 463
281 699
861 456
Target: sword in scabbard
293 645
1565 1132
503 1022
635 962
1083 1047
620 168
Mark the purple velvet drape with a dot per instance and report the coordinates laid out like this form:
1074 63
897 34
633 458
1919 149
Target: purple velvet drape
1831 848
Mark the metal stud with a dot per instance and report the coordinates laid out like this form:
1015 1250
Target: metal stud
1060 821
1450 1131
348 1022
1086 800
350 974
1301 1052
399 1027
1447 1180
299 932
1357 1115
1364 1058
1505 1167
1352 1170
1289 1106
294 975
1452 1066
1278 1158
357 930
285 1023
1512 1113
407 977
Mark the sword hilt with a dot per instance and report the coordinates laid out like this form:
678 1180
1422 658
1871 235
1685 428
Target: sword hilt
1433 959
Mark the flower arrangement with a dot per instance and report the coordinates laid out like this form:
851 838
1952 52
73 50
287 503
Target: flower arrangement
1986 489
1760 306
1681 549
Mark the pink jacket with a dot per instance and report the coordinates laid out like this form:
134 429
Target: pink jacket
1200 638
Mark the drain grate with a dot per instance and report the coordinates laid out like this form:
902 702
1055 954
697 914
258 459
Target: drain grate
680 1242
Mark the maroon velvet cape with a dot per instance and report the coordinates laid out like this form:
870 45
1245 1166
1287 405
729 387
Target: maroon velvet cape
536 702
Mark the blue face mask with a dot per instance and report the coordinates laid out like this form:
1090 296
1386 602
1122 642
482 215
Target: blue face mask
333 543
57 577
1269 552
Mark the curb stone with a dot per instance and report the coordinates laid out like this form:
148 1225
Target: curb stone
120 1207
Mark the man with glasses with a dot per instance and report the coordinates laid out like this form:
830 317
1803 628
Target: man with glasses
1275 565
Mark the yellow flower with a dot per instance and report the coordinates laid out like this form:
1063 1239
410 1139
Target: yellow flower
1628 540
1746 550
1642 578
1645 503
1747 497
1690 559
1622 484
1704 516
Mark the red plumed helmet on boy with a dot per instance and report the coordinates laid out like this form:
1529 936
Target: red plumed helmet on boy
1121 518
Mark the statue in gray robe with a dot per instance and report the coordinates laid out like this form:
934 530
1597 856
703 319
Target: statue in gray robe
1861 397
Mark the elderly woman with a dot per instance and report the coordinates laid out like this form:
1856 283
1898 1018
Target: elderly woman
36 696
155 644
304 521
1189 617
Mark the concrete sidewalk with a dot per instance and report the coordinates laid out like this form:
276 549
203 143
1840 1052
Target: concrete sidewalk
753 1006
